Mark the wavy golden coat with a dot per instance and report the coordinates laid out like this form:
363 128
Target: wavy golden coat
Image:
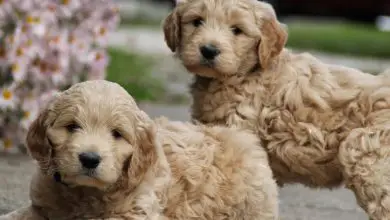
148 169
322 125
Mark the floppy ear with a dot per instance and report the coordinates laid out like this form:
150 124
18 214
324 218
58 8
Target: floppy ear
145 155
37 142
273 36
171 27
38 145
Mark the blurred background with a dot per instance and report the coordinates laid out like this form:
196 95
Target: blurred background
351 33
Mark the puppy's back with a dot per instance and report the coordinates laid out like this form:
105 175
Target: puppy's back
219 173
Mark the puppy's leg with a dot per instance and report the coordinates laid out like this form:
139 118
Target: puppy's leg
365 157
26 213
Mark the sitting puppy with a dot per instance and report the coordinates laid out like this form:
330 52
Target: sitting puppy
322 125
100 157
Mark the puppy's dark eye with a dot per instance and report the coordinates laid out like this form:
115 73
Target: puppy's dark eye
72 127
236 30
116 134
197 22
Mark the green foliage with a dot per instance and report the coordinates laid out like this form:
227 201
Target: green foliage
132 71
344 38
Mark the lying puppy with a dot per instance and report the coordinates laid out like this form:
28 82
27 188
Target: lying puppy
322 124
100 157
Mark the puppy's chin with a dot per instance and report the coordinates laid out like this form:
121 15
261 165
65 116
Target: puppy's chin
222 67
86 181
98 178
90 182
215 71
204 71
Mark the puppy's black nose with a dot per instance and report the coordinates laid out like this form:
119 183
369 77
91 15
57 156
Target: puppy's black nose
209 51
89 160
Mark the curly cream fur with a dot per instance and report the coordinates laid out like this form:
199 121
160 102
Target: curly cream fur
322 125
157 169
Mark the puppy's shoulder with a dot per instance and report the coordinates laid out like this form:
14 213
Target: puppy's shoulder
236 144
194 141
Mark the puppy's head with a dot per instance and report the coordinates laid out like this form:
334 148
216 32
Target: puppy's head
218 38
92 134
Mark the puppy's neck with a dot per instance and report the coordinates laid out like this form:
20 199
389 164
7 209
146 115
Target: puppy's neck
55 199
232 79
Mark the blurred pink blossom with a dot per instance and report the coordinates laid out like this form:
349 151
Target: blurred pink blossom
45 46
8 97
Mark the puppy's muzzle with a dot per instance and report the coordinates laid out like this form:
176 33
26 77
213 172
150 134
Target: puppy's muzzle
209 52
90 160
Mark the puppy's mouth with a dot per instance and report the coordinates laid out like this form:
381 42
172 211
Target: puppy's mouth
89 173
85 178
84 174
207 63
